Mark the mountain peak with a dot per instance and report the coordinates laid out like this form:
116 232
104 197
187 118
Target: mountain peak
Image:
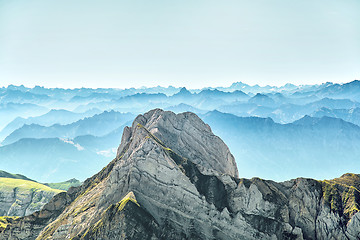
357 82
307 121
262 99
261 96
187 135
183 92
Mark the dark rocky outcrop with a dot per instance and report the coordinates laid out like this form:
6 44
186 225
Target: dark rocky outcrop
173 179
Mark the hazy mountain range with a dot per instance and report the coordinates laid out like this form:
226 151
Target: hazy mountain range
97 125
52 132
310 146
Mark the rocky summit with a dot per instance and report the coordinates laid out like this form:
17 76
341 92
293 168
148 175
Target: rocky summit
173 178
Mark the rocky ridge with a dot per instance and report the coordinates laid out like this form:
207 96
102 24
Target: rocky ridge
20 197
173 179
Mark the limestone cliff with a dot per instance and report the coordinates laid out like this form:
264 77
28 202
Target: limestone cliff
173 179
20 197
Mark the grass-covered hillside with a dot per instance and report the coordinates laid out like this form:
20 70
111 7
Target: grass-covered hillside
19 197
343 194
11 175
21 185
64 185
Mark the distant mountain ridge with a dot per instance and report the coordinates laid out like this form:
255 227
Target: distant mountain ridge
310 146
71 142
350 115
64 185
283 112
97 125
54 116
51 159
347 90
9 111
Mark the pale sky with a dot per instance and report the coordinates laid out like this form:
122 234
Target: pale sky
192 43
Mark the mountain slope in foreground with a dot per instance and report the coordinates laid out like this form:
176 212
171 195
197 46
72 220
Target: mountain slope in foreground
174 179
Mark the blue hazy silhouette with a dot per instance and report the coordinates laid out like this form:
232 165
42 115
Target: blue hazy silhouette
274 132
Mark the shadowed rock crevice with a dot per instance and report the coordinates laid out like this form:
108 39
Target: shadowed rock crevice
207 185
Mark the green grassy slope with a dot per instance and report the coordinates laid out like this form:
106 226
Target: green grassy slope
11 175
343 194
64 185
8 184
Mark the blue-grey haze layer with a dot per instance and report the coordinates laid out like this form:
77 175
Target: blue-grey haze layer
278 133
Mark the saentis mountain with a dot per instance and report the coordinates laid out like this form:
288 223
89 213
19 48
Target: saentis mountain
173 178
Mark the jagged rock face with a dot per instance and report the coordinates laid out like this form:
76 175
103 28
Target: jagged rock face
20 202
29 227
187 135
178 198
125 220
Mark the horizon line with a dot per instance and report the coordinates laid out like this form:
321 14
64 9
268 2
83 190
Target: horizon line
172 86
